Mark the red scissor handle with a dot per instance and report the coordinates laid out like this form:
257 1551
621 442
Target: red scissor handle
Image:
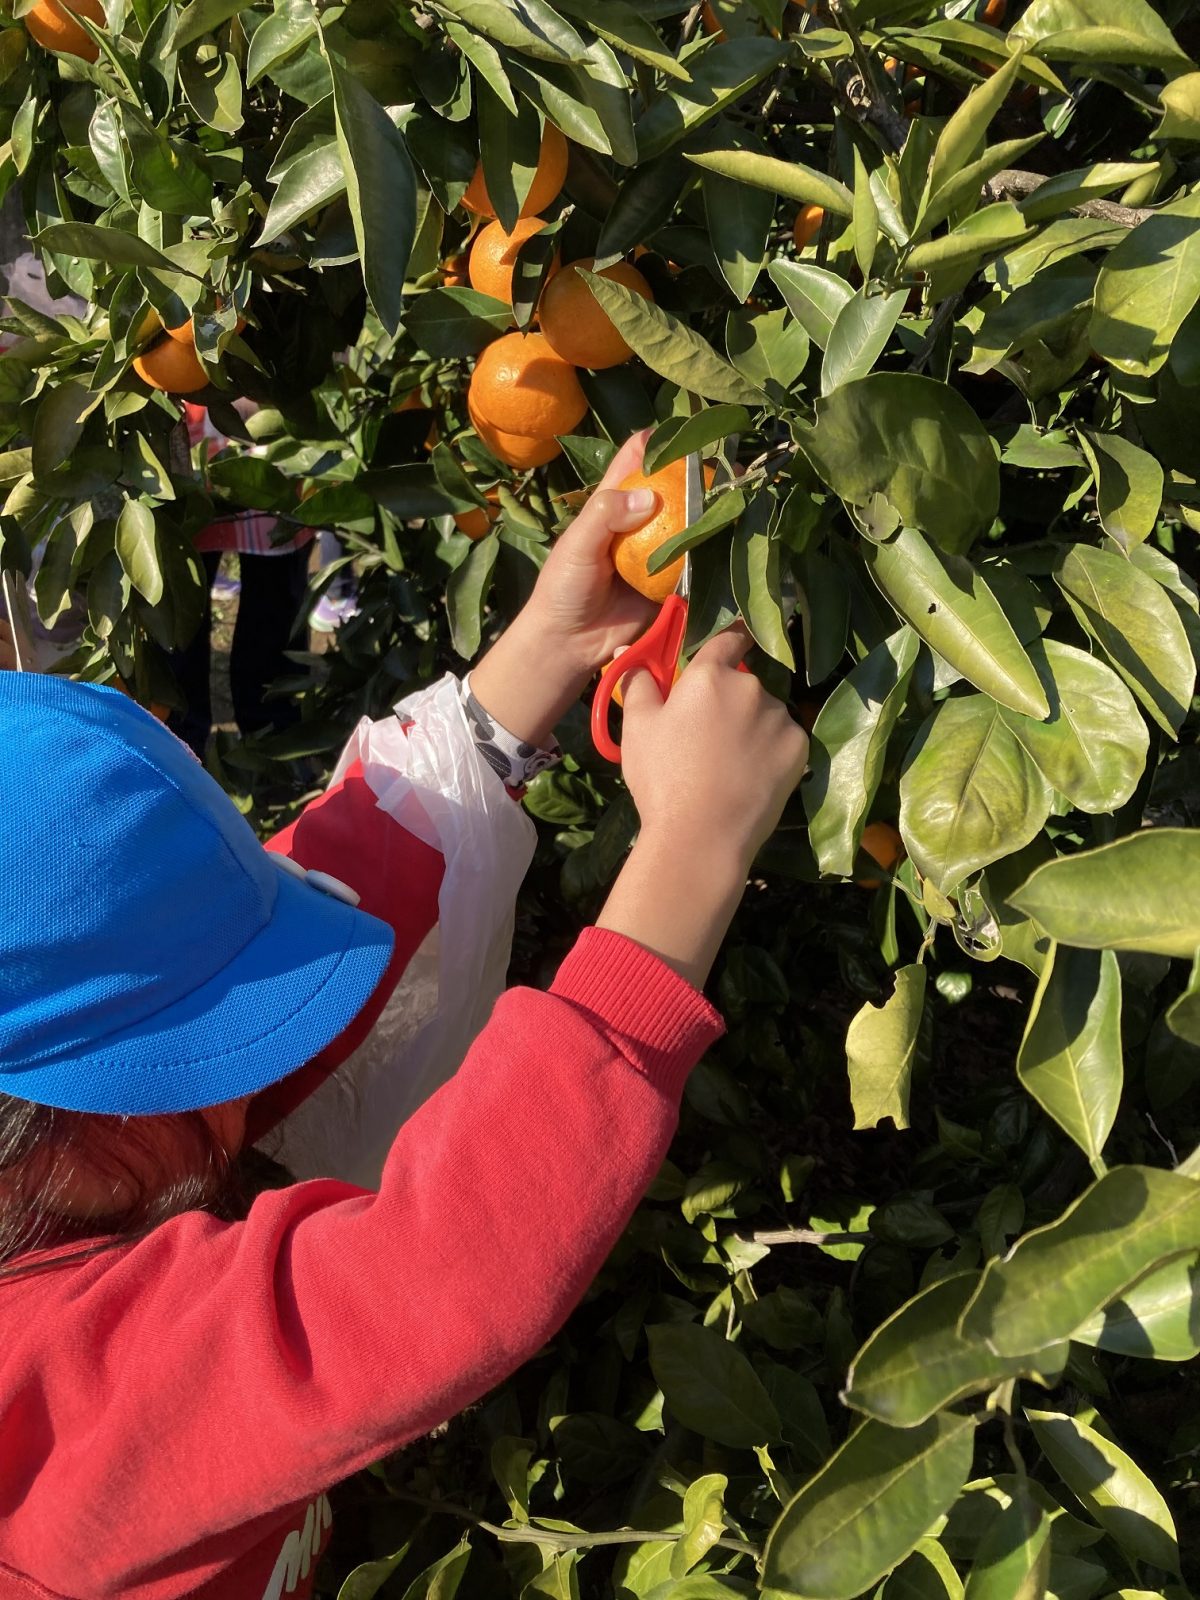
658 651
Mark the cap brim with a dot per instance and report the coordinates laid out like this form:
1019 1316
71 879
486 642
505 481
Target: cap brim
279 1002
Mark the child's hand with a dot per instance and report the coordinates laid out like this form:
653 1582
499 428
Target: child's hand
8 656
577 616
580 607
710 769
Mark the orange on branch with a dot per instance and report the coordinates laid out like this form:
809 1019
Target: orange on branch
514 449
710 21
52 24
573 321
547 180
993 12
882 842
494 256
807 225
476 522
172 366
632 551
186 331
522 386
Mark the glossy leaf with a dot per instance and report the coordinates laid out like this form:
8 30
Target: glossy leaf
814 296
1129 486
680 436
1157 1319
1013 1560
917 443
719 78
917 1362
1057 1277
1092 748
710 1386
457 321
739 221
703 1521
996 227
1183 1017
381 187
1146 288
867 1507
959 141
947 601
1112 1488
859 336
969 792
669 347
767 345
754 577
1180 101
466 595
718 514
1138 893
792 179
1128 32
849 742
1137 628
927 1574
880 1044
1070 1057
137 550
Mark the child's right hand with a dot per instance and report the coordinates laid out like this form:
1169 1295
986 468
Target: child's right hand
713 765
710 770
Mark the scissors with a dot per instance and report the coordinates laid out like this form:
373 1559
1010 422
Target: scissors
659 648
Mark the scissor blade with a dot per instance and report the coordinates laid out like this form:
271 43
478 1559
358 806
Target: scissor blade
693 490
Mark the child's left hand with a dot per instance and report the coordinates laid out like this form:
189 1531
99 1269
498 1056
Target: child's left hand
580 605
580 612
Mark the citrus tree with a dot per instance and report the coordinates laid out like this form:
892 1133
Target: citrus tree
913 1302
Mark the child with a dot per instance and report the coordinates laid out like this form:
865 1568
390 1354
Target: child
182 1375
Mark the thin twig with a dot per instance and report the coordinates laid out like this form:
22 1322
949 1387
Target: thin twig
556 1539
803 1236
943 315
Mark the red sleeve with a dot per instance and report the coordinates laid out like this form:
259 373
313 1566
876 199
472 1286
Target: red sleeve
214 1372
397 878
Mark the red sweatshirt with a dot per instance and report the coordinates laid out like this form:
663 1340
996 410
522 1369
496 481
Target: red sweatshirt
172 1410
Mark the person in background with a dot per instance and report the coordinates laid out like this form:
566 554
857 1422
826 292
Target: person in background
273 579
339 602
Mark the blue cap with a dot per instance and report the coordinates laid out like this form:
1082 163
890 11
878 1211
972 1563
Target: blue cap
153 956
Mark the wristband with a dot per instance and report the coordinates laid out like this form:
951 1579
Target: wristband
515 761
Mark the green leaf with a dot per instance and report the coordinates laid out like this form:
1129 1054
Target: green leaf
960 140
815 296
963 189
1070 1057
927 1574
365 1582
1129 486
865 221
969 793
557 41
165 171
867 1508
382 190
791 179
201 17
1138 893
110 245
755 580
1158 1318
1146 288
466 595
739 221
456 321
720 76
718 514
710 1386
703 1521
767 346
623 26
58 425
996 227
1093 746
916 442
1110 1487
859 337
849 743
1136 625
1056 1278
596 1448
137 550
1128 33
1181 109
948 602
1075 188
558 1580
880 1044
917 1362
669 347
680 436
290 25
1183 1017
441 1580
1013 1559
509 147
311 178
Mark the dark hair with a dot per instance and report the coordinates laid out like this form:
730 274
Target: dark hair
188 1170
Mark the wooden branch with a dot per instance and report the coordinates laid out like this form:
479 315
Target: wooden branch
804 1236
1013 182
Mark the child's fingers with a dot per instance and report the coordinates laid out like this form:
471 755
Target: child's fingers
639 695
611 510
727 648
627 459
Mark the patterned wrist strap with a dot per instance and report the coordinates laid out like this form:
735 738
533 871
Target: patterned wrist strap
515 762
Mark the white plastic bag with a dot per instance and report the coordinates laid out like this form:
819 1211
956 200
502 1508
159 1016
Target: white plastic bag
432 780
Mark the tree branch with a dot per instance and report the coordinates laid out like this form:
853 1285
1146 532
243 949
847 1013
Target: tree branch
804 1236
1012 181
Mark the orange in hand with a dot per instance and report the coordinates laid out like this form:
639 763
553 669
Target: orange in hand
547 180
573 322
632 551
52 24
